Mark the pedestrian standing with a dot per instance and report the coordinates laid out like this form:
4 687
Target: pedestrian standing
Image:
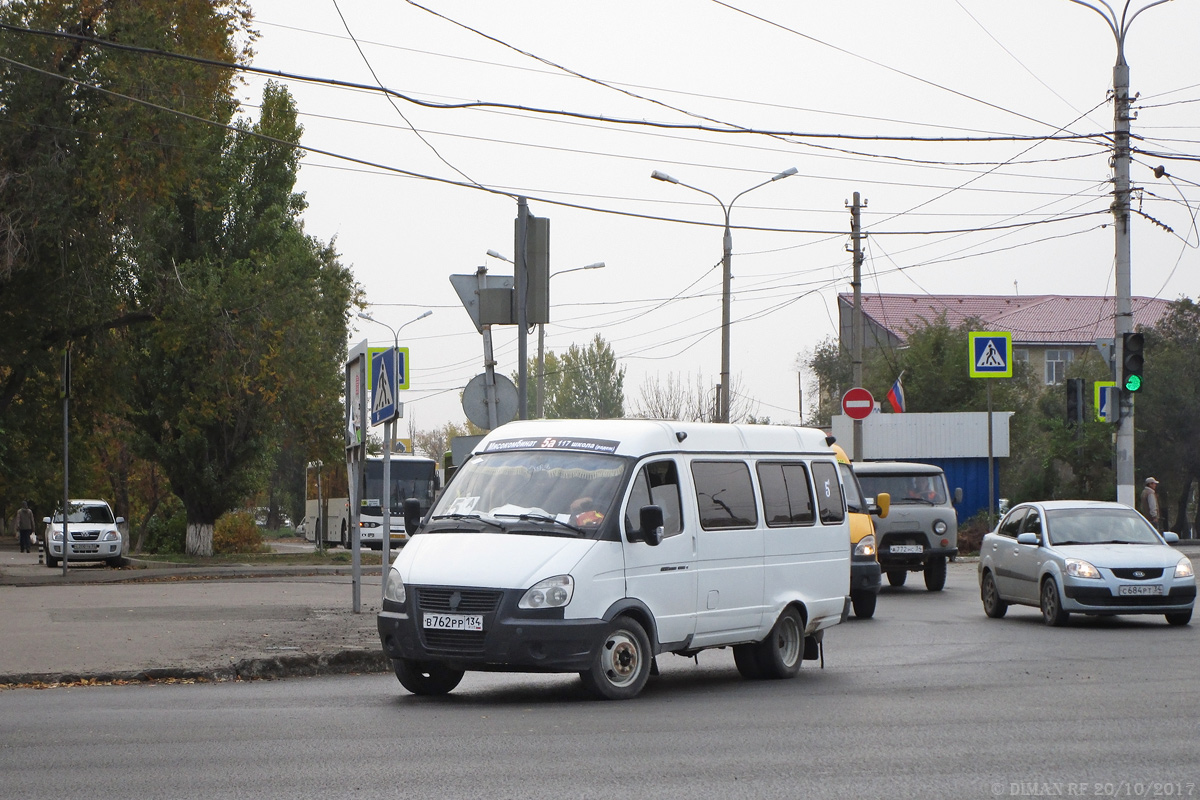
25 526
1149 502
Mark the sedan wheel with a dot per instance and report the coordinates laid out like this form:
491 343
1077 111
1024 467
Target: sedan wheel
1179 617
1052 610
993 606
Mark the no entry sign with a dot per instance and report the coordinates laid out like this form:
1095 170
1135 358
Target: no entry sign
858 403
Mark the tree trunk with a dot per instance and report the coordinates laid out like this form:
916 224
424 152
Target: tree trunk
1181 517
199 539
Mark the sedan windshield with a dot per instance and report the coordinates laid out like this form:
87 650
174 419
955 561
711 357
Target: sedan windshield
1099 526
562 493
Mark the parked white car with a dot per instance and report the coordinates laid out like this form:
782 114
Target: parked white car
1084 557
93 533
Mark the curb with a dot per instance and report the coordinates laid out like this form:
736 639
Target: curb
292 665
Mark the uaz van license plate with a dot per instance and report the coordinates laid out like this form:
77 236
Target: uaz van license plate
907 548
454 622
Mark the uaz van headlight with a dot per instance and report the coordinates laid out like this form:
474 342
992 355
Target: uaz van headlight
939 527
551 593
865 546
395 587
1184 569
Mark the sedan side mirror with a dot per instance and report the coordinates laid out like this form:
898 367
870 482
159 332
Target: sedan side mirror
412 515
1028 538
651 521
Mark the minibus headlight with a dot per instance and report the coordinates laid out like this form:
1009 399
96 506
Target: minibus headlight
553 592
395 587
865 546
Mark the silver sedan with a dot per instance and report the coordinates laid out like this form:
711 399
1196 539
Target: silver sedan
1086 557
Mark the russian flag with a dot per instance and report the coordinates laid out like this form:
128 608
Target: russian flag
895 395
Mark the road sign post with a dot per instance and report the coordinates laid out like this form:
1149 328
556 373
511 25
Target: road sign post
990 356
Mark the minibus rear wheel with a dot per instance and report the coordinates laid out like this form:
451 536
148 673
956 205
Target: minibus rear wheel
621 665
426 677
780 653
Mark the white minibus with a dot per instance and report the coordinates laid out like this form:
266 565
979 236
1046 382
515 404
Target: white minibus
593 546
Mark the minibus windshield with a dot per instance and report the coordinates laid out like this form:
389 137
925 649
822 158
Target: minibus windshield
543 491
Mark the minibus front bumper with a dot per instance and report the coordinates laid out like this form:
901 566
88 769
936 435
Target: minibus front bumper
526 641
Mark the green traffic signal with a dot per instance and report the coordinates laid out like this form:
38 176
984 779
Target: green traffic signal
1133 383
1133 360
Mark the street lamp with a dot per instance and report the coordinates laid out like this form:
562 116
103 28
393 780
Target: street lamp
539 407
726 277
388 432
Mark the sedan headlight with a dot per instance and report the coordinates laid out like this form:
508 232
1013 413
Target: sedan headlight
553 592
865 546
1078 568
939 527
1184 569
395 587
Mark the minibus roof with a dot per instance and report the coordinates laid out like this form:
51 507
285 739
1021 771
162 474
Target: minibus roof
636 437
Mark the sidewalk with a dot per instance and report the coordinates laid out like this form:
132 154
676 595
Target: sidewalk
179 622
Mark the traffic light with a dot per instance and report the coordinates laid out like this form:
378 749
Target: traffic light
1074 401
1132 361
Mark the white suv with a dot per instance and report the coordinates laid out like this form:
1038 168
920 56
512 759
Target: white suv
93 531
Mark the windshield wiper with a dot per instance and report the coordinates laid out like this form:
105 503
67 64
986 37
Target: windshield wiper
924 500
543 518
484 520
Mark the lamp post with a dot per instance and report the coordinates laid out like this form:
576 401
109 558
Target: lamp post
539 400
726 275
1123 320
388 432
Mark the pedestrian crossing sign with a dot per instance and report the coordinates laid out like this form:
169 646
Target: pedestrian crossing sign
1106 401
990 355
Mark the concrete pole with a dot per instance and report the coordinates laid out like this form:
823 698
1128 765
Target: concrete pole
1123 322
726 288
856 327
520 288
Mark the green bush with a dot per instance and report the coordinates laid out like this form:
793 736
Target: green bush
971 532
166 532
236 532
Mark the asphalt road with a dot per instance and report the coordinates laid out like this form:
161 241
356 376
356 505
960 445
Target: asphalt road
928 699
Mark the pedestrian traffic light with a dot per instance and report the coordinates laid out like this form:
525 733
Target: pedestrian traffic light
1074 401
1132 361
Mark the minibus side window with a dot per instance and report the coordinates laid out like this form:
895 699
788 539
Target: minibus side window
787 498
724 494
656 484
829 492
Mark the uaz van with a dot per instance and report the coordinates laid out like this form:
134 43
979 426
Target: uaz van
921 530
593 546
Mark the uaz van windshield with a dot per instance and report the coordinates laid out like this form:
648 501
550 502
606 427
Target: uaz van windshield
907 489
545 491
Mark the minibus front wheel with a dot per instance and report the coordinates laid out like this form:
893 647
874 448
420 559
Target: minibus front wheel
621 665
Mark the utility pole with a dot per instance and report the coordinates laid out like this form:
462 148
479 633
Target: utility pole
1123 321
856 325
520 290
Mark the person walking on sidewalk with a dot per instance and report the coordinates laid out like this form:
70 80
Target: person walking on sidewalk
1150 502
25 526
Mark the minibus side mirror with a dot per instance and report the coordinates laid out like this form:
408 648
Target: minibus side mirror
651 519
412 515
881 506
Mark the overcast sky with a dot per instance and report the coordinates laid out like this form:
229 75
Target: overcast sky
807 85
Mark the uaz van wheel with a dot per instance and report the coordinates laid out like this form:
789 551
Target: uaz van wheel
621 664
426 678
935 574
897 577
780 653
